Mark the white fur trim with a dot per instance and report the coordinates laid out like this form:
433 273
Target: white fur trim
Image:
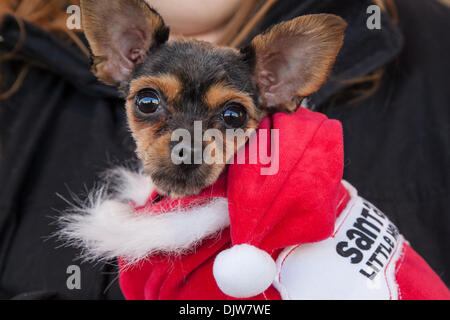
244 271
130 185
108 227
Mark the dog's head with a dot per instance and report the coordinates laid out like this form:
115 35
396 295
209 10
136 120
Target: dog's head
196 86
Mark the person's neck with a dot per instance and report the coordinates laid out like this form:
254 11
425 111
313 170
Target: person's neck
208 21
212 36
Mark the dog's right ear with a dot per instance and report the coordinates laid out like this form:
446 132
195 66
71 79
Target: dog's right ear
120 33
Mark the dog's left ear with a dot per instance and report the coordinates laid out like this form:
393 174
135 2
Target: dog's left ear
294 58
120 33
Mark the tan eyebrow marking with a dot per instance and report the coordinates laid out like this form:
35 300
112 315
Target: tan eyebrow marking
169 85
219 93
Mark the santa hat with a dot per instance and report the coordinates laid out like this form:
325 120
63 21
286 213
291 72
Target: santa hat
298 204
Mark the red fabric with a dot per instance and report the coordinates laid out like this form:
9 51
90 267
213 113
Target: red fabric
187 277
297 205
155 204
416 280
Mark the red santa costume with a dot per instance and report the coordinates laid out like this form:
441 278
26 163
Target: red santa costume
301 233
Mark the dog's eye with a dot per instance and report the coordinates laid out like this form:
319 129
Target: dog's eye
234 115
147 101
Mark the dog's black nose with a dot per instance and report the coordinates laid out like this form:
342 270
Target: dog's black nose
186 155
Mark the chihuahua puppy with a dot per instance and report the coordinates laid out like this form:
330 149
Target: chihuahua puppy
172 84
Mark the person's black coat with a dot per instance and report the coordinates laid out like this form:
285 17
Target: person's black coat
63 128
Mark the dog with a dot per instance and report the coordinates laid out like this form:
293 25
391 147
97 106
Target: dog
171 84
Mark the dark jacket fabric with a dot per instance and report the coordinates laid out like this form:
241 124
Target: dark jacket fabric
63 128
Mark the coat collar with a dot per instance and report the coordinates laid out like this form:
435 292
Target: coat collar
43 50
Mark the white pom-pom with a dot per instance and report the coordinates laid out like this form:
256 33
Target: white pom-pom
244 271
